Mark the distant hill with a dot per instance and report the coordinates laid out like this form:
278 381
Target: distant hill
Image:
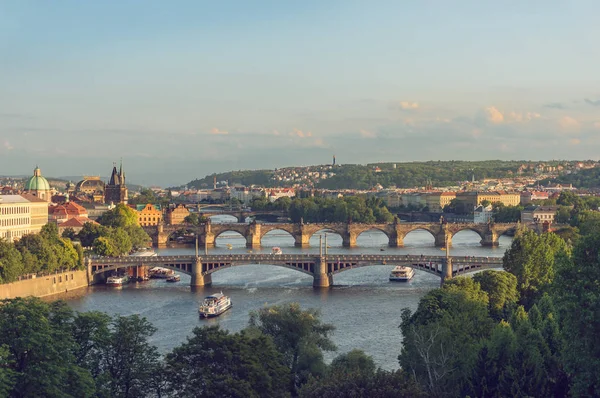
244 177
587 178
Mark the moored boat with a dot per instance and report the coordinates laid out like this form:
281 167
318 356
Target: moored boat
276 251
117 280
214 305
401 273
160 273
174 278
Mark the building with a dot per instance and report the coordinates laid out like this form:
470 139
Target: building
39 212
38 186
21 214
529 196
177 215
539 214
91 187
62 213
414 200
483 215
436 201
75 223
149 215
468 201
115 191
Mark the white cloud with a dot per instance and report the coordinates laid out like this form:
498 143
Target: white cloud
367 134
407 105
568 123
216 131
574 141
521 117
493 115
300 133
597 125
8 146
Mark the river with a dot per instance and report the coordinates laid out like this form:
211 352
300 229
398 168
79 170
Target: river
363 305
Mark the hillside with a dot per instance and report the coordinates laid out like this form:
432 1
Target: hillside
587 178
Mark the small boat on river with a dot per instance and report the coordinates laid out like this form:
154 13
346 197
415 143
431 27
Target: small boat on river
401 273
117 280
276 251
160 273
214 305
174 278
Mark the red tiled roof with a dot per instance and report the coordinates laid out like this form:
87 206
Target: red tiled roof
76 222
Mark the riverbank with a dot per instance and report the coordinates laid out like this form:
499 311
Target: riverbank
44 286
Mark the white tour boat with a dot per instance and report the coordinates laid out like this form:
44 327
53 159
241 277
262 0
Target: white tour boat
276 251
401 273
214 305
117 280
160 273
174 278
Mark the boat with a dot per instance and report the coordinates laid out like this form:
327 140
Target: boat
401 273
117 280
160 273
174 278
276 251
214 305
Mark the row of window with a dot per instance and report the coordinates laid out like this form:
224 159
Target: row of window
60 278
11 222
14 210
11 235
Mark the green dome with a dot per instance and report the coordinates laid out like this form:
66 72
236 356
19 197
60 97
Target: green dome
37 182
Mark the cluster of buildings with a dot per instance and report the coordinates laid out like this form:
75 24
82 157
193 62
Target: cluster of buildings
308 176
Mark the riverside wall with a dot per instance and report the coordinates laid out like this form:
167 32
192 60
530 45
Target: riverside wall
47 285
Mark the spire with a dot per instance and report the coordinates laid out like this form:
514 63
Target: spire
114 177
121 173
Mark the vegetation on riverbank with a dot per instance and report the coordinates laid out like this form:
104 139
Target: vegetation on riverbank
47 252
317 209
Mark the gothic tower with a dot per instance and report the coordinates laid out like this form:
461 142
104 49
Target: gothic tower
116 191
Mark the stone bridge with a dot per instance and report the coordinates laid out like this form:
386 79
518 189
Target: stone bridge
301 232
242 215
321 268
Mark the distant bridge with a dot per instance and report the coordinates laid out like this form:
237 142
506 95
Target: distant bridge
321 268
301 232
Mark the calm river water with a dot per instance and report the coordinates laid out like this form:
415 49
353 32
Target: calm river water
363 305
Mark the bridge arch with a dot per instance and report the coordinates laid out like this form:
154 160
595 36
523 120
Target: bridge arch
419 236
334 237
379 237
307 269
465 232
286 237
424 266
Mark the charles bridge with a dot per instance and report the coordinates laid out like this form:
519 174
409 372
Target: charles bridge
320 267
207 233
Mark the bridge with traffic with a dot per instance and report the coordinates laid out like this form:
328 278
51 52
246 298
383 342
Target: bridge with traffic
320 266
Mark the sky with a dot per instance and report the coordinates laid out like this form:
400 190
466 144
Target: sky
182 89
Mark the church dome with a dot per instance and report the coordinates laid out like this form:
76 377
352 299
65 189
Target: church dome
37 182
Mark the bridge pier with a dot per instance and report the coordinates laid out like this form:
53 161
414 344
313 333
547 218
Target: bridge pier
302 240
440 239
349 240
490 240
447 269
396 241
321 278
198 277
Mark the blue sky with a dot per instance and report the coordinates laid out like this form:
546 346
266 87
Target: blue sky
182 89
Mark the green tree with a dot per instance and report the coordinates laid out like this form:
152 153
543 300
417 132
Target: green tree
38 350
137 236
353 361
531 259
501 288
380 384
11 262
215 363
440 339
563 215
105 246
577 298
69 233
298 334
120 216
90 232
131 362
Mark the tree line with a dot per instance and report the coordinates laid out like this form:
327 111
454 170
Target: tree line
319 209
117 234
48 350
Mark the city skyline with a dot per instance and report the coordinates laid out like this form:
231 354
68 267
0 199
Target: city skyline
182 92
